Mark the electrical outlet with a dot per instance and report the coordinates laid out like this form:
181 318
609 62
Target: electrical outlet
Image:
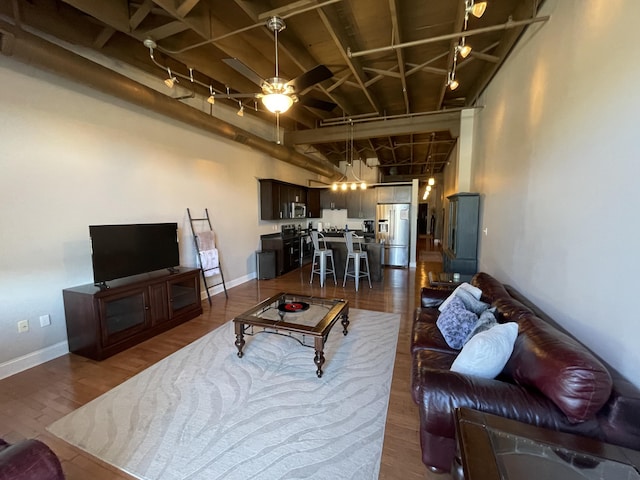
45 320
23 326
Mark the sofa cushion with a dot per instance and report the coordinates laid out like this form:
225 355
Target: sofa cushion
476 292
486 353
561 368
455 323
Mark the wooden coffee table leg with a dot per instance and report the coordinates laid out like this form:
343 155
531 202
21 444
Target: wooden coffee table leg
319 358
345 323
239 338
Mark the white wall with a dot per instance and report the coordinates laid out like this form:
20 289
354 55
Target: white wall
71 157
557 163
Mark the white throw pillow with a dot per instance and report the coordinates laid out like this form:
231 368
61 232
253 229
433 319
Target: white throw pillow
475 291
486 353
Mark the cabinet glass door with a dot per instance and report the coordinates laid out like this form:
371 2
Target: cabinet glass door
183 295
122 316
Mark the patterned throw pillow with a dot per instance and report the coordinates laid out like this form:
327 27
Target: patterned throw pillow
455 323
475 291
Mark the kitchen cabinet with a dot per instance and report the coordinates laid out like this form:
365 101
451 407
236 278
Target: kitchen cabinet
271 205
276 198
333 199
461 248
313 203
394 194
105 321
361 203
287 252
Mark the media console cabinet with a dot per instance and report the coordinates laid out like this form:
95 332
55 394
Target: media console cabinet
104 321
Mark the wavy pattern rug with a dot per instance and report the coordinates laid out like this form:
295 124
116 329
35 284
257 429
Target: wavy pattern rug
203 413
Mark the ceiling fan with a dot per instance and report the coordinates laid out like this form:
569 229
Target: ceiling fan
279 94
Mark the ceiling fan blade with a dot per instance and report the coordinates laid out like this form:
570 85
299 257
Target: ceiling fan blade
243 70
315 103
310 78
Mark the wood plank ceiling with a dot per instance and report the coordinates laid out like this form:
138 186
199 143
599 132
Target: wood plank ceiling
387 94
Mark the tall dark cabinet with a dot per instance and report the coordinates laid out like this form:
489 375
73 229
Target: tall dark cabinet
461 247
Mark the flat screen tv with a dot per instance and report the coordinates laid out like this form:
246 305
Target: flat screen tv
123 250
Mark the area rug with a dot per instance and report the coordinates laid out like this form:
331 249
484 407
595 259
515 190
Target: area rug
203 413
429 256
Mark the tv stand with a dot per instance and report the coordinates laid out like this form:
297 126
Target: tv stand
104 321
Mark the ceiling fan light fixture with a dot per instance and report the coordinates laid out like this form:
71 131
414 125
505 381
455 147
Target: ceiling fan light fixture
277 102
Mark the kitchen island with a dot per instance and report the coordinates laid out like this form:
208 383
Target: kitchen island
375 252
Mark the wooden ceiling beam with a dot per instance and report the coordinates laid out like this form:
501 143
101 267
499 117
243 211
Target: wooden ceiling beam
445 121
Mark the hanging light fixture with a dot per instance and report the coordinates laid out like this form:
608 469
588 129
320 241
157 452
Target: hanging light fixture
241 111
212 96
349 149
431 181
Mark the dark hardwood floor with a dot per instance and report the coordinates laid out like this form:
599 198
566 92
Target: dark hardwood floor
31 400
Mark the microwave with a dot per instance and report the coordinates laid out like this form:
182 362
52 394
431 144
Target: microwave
298 210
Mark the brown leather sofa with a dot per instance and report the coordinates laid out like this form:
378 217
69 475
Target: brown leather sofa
28 460
550 380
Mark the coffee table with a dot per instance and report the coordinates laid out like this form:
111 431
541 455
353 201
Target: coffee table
447 280
495 448
297 316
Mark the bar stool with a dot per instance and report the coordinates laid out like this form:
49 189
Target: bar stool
321 253
357 254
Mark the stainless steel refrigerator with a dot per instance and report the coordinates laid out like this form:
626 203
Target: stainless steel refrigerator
393 227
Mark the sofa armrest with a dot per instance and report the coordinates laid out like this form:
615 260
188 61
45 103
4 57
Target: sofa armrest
444 391
29 460
433 297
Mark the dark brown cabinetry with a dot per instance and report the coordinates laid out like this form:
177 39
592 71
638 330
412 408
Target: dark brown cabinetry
314 210
276 198
287 252
333 199
102 322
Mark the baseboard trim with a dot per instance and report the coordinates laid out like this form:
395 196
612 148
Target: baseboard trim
33 359
215 290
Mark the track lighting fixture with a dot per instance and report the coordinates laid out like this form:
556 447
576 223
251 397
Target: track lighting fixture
463 49
212 96
171 80
475 9
241 111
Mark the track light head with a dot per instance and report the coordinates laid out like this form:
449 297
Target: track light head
212 96
241 111
171 80
464 50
